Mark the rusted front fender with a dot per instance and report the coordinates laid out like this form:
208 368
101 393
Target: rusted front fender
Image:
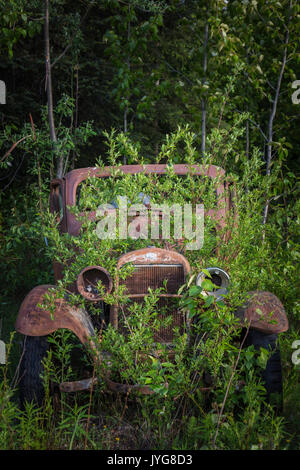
35 321
264 312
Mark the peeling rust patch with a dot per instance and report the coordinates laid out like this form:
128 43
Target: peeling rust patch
154 256
265 312
35 321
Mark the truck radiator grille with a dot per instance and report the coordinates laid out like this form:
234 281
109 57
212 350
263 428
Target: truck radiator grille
156 276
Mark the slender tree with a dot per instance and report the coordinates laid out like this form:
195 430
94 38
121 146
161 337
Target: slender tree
275 104
59 170
203 101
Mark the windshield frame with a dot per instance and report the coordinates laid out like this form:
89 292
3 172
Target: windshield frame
75 177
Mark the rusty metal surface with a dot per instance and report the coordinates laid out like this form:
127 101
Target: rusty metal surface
112 386
153 266
152 256
164 308
78 385
58 270
265 312
35 321
124 388
88 279
62 183
115 387
75 177
155 277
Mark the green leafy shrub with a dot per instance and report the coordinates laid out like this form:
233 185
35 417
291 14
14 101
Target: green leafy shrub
209 394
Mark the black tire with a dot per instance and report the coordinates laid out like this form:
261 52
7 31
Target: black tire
272 374
31 369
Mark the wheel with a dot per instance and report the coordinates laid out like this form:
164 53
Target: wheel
31 369
272 374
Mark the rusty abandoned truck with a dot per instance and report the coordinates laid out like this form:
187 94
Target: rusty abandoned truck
152 266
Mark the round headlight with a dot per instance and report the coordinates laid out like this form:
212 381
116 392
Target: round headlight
88 280
219 278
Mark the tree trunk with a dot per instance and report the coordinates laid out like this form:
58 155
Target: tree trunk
274 108
59 171
203 101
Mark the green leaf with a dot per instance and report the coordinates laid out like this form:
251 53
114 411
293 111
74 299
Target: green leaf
195 291
209 300
207 273
207 285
